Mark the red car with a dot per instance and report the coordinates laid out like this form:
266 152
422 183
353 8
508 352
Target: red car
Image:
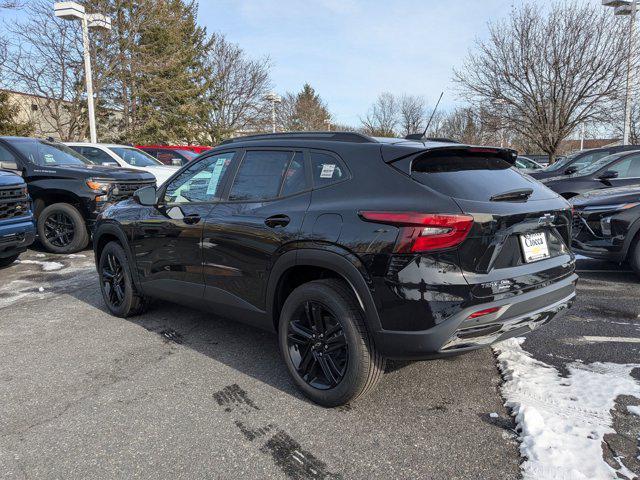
174 154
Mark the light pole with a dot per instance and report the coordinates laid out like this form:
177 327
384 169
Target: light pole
627 7
273 98
327 122
75 11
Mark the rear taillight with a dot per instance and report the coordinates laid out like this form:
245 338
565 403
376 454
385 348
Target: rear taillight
424 232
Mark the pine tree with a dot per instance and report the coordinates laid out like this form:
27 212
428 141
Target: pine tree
305 111
9 125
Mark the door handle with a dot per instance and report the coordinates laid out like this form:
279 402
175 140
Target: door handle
277 221
191 219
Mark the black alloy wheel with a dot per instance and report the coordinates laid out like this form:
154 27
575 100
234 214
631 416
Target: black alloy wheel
59 229
317 346
113 280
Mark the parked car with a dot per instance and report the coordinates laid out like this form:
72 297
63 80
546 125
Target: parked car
17 226
67 190
527 165
170 155
197 149
124 156
606 225
573 163
353 249
617 170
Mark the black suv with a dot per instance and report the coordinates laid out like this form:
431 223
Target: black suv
67 190
353 249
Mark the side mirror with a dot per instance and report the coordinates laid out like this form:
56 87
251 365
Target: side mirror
608 175
570 171
8 165
146 196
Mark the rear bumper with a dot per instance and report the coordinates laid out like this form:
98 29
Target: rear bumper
16 235
517 316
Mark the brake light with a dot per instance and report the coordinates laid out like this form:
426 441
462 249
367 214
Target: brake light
482 313
423 232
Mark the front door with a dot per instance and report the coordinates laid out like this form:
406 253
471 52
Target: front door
244 236
168 237
628 171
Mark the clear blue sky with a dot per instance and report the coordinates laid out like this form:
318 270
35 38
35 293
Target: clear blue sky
351 50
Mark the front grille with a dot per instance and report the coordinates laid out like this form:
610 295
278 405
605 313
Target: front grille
124 190
577 224
13 202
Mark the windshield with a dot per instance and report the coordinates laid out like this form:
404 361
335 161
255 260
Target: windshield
560 163
597 165
135 157
524 162
48 154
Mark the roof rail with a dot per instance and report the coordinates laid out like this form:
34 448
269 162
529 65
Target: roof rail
418 137
352 137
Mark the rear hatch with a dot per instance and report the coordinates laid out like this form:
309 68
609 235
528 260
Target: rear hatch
521 229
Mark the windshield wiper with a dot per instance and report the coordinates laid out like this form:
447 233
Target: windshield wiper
520 195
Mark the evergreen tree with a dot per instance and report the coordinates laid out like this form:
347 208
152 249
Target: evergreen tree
304 111
9 125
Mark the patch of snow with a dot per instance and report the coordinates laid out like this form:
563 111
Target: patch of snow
76 255
41 289
46 266
634 409
494 415
562 421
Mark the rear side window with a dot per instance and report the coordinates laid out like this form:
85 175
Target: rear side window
260 175
326 169
469 175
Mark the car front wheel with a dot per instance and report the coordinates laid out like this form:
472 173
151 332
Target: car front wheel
62 229
325 344
116 283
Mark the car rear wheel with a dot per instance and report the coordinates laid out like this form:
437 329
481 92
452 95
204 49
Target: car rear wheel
62 229
6 261
325 344
116 283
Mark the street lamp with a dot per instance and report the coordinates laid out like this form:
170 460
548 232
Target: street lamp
273 98
75 11
626 7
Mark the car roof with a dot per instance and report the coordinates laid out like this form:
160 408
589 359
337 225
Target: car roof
89 144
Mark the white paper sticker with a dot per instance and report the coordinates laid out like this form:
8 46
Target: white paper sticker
327 170
48 158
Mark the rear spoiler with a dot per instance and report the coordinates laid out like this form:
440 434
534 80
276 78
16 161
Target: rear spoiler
392 154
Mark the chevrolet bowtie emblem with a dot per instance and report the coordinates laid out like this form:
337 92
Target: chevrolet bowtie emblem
546 219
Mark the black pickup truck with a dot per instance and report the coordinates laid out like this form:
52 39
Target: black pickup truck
67 190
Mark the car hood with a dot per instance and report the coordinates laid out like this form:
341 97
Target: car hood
97 171
8 178
162 173
609 196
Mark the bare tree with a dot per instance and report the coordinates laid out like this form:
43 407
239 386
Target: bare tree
412 114
543 74
237 90
382 119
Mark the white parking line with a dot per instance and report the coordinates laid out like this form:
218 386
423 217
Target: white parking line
611 339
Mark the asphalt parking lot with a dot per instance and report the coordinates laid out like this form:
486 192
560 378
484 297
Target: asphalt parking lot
179 393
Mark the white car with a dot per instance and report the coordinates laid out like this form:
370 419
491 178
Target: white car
124 156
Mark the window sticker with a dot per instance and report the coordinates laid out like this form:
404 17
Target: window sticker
215 176
327 170
49 159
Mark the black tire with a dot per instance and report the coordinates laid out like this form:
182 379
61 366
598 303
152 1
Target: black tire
61 229
114 269
634 255
337 307
6 261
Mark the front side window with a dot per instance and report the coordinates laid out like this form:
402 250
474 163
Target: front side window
96 155
295 178
48 154
7 156
326 169
135 157
260 175
201 182
628 168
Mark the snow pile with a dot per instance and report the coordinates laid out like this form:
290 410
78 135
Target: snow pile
46 266
562 421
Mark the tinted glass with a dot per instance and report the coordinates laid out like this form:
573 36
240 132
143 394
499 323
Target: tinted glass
96 155
560 163
135 157
595 166
627 168
587 160
295 178
7 156
48 154
201 181
469 176
326 169
260 175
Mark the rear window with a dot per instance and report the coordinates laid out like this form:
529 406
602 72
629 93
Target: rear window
469 176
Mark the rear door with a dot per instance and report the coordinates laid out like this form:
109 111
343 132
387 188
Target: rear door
521 228
261 218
